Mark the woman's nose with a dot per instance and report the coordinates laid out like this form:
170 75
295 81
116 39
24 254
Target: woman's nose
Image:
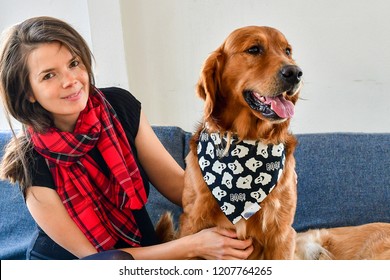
68 79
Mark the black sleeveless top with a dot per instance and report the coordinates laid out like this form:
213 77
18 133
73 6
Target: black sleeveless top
128 109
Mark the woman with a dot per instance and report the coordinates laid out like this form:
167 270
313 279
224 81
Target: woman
85 156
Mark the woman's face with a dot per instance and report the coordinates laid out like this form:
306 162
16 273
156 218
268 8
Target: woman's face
60 83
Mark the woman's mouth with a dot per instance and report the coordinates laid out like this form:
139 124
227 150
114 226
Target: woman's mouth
73 96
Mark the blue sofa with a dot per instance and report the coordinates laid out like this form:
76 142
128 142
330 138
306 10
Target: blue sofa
343 179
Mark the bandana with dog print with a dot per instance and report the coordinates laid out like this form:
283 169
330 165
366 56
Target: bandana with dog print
241 176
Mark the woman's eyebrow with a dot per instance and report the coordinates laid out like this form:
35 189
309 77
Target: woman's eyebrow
51 69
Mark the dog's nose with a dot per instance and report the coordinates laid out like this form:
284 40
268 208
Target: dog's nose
291 74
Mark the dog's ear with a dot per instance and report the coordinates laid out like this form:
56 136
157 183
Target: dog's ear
209 82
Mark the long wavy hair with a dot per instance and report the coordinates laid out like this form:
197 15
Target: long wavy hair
15 89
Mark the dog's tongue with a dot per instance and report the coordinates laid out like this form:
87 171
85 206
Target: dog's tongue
281 106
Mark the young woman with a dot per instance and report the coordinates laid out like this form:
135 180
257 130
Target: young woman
85 156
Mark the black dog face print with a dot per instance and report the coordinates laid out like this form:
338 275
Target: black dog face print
241 177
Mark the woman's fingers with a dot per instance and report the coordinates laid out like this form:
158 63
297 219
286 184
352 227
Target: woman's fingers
222 243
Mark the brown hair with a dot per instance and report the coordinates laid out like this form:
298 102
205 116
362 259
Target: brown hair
15 88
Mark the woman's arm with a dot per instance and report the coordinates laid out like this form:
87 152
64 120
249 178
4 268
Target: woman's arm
50 214
162 169
212 243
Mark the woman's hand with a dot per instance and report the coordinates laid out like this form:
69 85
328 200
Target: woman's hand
221 244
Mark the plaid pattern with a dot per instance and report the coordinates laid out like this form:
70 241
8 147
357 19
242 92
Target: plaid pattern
100 206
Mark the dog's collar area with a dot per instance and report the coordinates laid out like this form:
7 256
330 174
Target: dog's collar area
241 176
275 108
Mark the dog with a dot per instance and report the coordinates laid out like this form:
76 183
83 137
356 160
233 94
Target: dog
240 171
364 242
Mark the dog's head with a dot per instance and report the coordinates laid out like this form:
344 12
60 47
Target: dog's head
250 80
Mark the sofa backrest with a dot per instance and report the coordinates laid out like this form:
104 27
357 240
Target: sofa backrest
343 179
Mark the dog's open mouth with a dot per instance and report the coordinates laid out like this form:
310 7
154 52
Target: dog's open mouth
276 107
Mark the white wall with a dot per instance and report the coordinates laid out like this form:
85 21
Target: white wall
156 49
107 42
342 46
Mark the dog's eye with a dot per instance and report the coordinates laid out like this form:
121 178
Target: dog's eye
288 51
255 50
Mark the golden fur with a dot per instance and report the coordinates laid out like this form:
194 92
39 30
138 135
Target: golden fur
364 242
250 59
227 73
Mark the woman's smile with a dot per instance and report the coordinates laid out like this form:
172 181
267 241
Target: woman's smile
59 82
74 97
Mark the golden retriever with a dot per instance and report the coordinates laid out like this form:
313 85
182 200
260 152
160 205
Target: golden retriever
249 85
364 242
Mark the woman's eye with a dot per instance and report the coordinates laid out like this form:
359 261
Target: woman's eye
48 76
255 50
74 63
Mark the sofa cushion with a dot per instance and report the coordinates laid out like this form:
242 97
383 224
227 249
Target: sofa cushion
343 179
16 223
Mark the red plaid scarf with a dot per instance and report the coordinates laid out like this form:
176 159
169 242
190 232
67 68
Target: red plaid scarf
100 206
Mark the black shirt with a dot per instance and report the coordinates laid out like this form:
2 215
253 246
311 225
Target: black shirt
128 109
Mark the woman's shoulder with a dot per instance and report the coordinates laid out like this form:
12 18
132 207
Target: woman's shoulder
114 90
126 106
119 95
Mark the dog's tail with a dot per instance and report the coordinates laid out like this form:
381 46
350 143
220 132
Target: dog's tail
165 228
309 246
